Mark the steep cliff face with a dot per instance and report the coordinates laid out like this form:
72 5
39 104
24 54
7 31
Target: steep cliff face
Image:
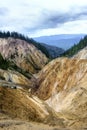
24 55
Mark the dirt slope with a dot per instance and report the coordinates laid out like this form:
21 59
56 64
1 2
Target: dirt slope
24 55
63 86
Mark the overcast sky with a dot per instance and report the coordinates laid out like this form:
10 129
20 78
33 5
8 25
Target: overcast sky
44 17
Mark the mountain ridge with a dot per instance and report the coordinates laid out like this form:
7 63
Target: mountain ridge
64 41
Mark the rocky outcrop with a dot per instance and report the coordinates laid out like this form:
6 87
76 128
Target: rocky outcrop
23 54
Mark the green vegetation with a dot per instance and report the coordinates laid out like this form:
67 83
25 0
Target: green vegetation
5 64
76 48
25 38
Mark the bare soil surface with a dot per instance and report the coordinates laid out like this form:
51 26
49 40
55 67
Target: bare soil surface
7 123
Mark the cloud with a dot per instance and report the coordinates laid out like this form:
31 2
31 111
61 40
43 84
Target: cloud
75 27
42 17
50 19
54 18
3 11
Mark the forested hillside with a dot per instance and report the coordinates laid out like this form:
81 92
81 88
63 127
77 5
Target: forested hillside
76 48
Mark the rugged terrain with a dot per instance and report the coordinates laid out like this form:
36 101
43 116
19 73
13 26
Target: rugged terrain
56 96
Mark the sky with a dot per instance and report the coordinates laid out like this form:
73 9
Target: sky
44 17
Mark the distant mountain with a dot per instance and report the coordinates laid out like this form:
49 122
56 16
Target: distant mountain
64 41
